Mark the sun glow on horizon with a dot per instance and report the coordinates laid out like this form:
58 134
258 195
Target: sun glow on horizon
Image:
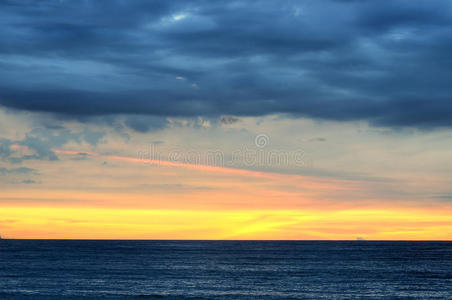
214 203
104 223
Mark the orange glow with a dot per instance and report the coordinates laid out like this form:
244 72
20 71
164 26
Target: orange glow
230 204
104 223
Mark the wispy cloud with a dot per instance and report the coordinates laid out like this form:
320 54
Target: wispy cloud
21 170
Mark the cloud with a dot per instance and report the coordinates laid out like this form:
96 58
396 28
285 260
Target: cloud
21 170
5 148
319 139
29 181
227 120
40 142
386 63
445 197
173 187
146 123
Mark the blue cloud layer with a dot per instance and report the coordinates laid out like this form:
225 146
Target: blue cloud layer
387 62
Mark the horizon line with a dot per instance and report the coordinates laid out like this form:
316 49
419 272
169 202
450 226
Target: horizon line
222 240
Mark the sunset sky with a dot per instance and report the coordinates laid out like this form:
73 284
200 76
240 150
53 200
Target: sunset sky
302 120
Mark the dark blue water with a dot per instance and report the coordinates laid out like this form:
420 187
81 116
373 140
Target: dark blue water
40 269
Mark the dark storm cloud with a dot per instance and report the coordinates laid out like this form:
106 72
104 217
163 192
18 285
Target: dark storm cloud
387 62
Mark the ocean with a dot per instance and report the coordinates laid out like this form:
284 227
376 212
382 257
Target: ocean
86 269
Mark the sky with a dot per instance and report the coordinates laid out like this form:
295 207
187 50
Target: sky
282 120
